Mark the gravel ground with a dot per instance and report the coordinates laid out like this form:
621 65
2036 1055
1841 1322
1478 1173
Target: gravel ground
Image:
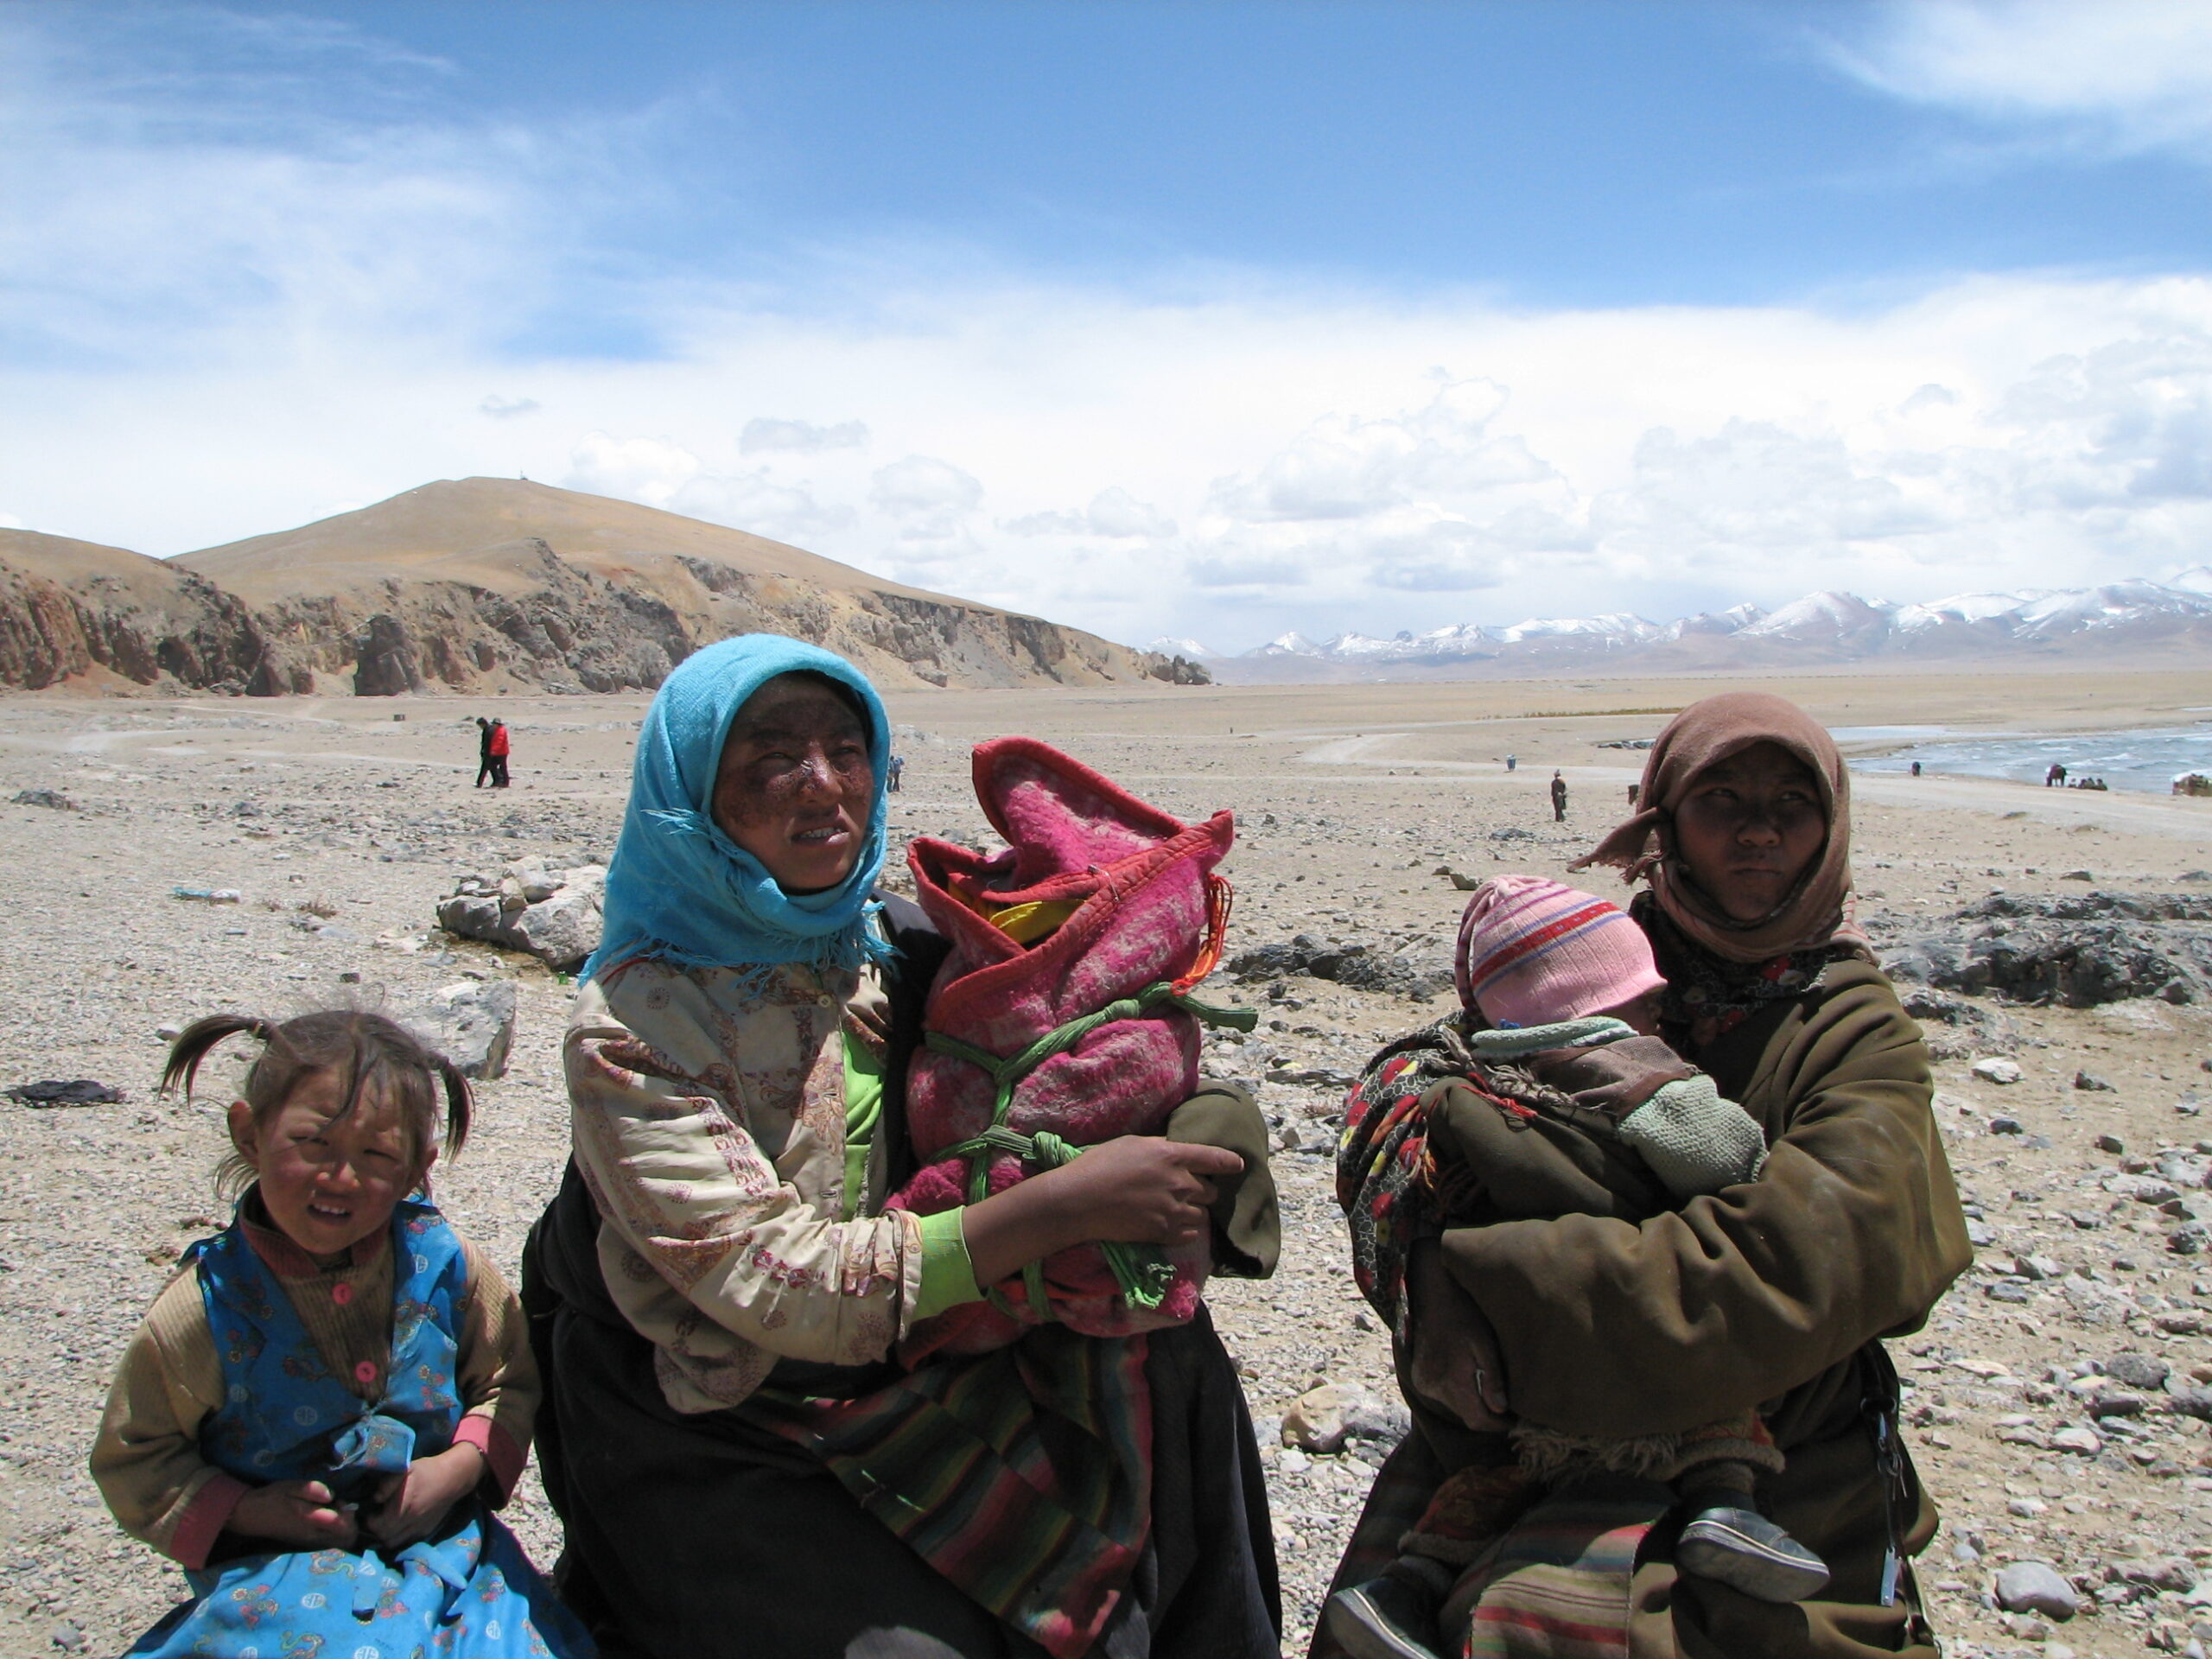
308 807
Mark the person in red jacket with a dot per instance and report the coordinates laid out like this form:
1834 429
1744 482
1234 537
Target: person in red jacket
497 749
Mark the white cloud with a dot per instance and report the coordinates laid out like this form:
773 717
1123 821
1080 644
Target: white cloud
2126 75
803 436
1113 512
758 503
2127 422
1227 570
929 498
1436 498
663 473
651 470
503 408
1347 467
1754 489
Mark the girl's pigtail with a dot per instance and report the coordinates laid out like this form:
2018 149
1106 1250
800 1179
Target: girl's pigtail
194 1043
457 1104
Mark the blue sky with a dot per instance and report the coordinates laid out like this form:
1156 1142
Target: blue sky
1207 320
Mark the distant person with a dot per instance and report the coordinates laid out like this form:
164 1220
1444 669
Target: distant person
1559 796
894 771
2055 775
1511 761
1916 768
495 746
485 772
1634 790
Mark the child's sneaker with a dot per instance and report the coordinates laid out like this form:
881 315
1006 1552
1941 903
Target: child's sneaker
1392 1615
1746 1551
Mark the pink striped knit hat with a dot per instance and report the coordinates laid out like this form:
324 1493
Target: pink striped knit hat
1532 951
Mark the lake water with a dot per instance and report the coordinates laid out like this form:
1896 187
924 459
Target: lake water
2144 760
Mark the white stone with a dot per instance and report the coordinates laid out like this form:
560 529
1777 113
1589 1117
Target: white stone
1997 1071
2037 1587
560 931
1318 1419
471 1022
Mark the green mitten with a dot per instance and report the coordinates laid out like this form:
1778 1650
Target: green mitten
1694 1140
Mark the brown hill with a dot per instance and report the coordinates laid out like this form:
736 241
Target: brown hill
484 584
81 612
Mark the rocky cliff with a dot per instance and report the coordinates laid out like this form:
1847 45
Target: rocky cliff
104 617
482 584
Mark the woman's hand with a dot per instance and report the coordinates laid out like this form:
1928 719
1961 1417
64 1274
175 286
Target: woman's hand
1142 1190
408 1506
297 1512
1136 1189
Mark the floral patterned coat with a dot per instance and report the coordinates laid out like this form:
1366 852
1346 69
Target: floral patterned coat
706 1106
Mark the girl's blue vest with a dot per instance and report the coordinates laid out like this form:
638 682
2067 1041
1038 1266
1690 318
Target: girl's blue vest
286 1415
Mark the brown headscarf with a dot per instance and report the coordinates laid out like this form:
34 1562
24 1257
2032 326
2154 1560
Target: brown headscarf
1816 912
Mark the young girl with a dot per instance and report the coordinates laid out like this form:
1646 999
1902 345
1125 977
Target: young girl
317 1414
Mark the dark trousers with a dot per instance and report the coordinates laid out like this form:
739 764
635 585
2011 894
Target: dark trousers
484 769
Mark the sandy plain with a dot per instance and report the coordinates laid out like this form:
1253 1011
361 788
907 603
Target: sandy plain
1348 799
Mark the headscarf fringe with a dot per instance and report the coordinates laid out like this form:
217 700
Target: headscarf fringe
866 943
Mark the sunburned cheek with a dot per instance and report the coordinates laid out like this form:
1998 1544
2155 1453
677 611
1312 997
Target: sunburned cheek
751 805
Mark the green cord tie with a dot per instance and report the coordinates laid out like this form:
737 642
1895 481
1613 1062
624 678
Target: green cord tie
1141 1272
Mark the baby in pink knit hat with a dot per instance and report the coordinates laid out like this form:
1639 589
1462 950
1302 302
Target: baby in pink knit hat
1565 995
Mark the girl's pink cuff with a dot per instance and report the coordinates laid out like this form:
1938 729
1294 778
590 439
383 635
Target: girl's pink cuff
502 1457
205 1518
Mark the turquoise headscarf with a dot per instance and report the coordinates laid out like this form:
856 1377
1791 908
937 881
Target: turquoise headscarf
679 888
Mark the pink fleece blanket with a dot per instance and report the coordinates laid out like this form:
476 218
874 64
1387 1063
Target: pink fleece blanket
1149 909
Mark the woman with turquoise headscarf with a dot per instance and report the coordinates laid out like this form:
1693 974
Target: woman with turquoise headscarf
716 1292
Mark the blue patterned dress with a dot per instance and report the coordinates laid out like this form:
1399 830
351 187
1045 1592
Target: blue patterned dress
466 1591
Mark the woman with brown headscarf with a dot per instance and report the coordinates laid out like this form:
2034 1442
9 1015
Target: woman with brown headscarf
1774 1293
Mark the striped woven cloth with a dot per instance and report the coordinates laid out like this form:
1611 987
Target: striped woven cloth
1557 1584
972 1463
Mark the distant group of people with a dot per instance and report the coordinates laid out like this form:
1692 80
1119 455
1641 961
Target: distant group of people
491 746
1636 1210
2057 778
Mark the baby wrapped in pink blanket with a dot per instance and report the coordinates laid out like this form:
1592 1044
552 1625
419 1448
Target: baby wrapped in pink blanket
1122 913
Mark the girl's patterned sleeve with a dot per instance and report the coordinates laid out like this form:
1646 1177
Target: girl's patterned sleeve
499 1388
146 1460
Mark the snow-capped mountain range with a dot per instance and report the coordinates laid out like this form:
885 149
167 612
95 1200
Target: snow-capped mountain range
2169 618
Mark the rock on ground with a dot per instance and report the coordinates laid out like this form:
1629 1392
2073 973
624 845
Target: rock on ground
2037 1587
554 915
2077 951
471 1022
